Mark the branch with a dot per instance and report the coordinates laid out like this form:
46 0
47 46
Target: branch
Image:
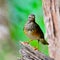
29 53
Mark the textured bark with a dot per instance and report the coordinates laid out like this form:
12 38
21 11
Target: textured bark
29 53
51 15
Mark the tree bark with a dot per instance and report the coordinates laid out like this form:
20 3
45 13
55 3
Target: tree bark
29 53
51 15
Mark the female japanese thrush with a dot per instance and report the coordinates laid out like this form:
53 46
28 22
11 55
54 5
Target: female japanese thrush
33 31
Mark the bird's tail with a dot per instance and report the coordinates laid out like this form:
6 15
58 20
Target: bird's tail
43 41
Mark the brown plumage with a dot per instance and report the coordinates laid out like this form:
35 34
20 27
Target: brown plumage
33 31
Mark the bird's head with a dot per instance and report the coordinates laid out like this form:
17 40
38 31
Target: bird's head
31 17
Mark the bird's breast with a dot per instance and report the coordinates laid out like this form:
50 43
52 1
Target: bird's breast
31 34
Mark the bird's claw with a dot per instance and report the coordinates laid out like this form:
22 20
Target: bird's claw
26 42
35 48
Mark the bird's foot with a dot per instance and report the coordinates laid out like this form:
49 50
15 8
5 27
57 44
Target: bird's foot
26 42
35 48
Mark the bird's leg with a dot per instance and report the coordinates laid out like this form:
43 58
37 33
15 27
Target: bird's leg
28 42
38 44
37 48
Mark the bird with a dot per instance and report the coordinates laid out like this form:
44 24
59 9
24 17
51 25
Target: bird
33 30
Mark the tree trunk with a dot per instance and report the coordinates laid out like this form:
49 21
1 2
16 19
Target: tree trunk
51 18
29 53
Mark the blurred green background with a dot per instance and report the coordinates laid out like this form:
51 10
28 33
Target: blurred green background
18 12
18 15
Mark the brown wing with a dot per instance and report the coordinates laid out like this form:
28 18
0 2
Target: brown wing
38 31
